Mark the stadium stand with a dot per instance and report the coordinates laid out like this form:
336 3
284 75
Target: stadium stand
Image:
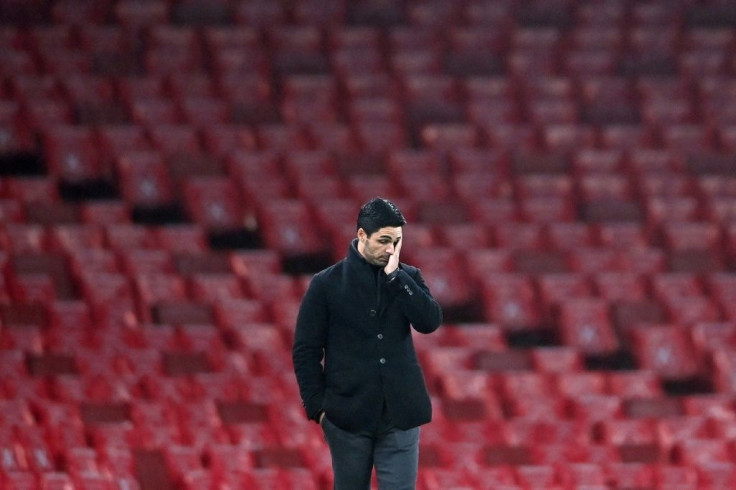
173 171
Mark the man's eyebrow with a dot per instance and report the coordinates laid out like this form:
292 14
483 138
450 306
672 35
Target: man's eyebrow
389 237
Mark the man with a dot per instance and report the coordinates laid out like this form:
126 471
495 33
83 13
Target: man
354 357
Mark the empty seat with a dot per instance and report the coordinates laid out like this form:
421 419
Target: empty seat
145 179
586 325
620 286
521 392
510 300
175 140
556 288
518 236
154 111
157 288
214 203
284 227
71 153
666 350
445 273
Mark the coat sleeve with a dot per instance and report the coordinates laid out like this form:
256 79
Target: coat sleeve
308 349
417 303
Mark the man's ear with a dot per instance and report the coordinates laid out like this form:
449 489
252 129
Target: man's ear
362 236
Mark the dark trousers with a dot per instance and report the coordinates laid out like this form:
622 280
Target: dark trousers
393 452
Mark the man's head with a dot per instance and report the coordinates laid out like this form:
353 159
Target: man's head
379 230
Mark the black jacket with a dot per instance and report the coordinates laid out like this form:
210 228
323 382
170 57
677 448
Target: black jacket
353 349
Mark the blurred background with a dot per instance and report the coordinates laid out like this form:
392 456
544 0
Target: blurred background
172 172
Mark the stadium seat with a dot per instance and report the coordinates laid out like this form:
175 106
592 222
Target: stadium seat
585 324
666 350
510 301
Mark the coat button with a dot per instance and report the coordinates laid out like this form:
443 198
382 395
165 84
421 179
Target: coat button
382 360
373 312
380 336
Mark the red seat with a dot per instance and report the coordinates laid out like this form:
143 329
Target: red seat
214 203
717 474
629 432
623 136
589 61
128 15
71 153
276 136
154 111
46 112
593 408
269 288
154 288
172 139
692 310
577 384
284 227
510 300
208 287
184 86
635 384
662 209
142 261
116 140
556 288
121 236
549 432
334 137
666 350
518 236
441 478
245 89
418 60
181 238
591 161
24 238
540 476
620 286
583 474
233 313
522 391
569 235
469 400
463 237
692 236
145 179
586 325
671 476
673 285
630 475
647 260
32 288
601 186
68 238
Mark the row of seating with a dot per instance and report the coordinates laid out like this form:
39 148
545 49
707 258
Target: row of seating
372 13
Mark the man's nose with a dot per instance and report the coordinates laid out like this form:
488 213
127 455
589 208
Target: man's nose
390 249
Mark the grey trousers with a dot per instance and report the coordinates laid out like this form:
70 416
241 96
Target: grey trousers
393 452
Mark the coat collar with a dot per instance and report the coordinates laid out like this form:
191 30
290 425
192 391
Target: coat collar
355 258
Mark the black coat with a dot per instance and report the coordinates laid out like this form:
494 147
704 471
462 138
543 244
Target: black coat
353 348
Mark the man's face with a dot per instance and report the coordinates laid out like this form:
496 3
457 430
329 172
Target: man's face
381 245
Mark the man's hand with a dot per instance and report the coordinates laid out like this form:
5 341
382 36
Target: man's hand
393 261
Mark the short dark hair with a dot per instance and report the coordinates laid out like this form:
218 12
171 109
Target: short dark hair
379 213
